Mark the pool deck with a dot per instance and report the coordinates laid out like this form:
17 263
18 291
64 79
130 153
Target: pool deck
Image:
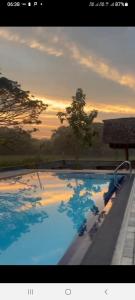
9 174
124 253
12 173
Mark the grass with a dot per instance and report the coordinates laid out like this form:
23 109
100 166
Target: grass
25 160
16 160
32 160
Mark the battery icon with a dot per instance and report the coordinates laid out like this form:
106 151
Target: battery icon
29 3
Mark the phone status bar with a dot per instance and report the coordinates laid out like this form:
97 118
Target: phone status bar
23 4
44 3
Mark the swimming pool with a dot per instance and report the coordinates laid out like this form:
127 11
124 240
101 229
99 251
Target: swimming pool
41 214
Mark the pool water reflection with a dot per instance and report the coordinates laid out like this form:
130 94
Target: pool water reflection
41 215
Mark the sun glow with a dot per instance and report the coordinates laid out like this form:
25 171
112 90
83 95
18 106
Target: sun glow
59 104
50 120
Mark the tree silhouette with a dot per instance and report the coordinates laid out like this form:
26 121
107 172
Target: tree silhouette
17 107
78 120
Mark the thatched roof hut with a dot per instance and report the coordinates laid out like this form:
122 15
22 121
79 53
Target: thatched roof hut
119 133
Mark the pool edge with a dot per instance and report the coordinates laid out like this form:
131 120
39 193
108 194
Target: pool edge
96 252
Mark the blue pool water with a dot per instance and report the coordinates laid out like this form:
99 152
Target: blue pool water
40 215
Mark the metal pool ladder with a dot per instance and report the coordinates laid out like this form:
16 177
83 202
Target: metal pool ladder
119 166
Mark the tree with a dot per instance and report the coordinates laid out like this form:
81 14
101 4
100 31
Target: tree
79 121
45 147
65 142
17 107
16 141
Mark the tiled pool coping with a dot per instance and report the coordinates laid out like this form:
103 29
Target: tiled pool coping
124 253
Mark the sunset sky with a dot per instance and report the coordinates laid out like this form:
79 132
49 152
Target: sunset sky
53 62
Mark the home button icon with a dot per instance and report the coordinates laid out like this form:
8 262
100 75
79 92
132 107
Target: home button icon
68 292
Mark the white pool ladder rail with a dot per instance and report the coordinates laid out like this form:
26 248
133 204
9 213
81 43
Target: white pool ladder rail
126 162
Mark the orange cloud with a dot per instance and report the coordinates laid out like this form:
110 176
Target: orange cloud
59 105
110 108
41 47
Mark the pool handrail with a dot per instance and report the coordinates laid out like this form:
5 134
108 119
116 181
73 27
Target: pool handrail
118 167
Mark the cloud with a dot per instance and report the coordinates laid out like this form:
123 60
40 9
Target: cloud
5 34
56 105
41 47
53 104
31 43
110 108
56 44
101 67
